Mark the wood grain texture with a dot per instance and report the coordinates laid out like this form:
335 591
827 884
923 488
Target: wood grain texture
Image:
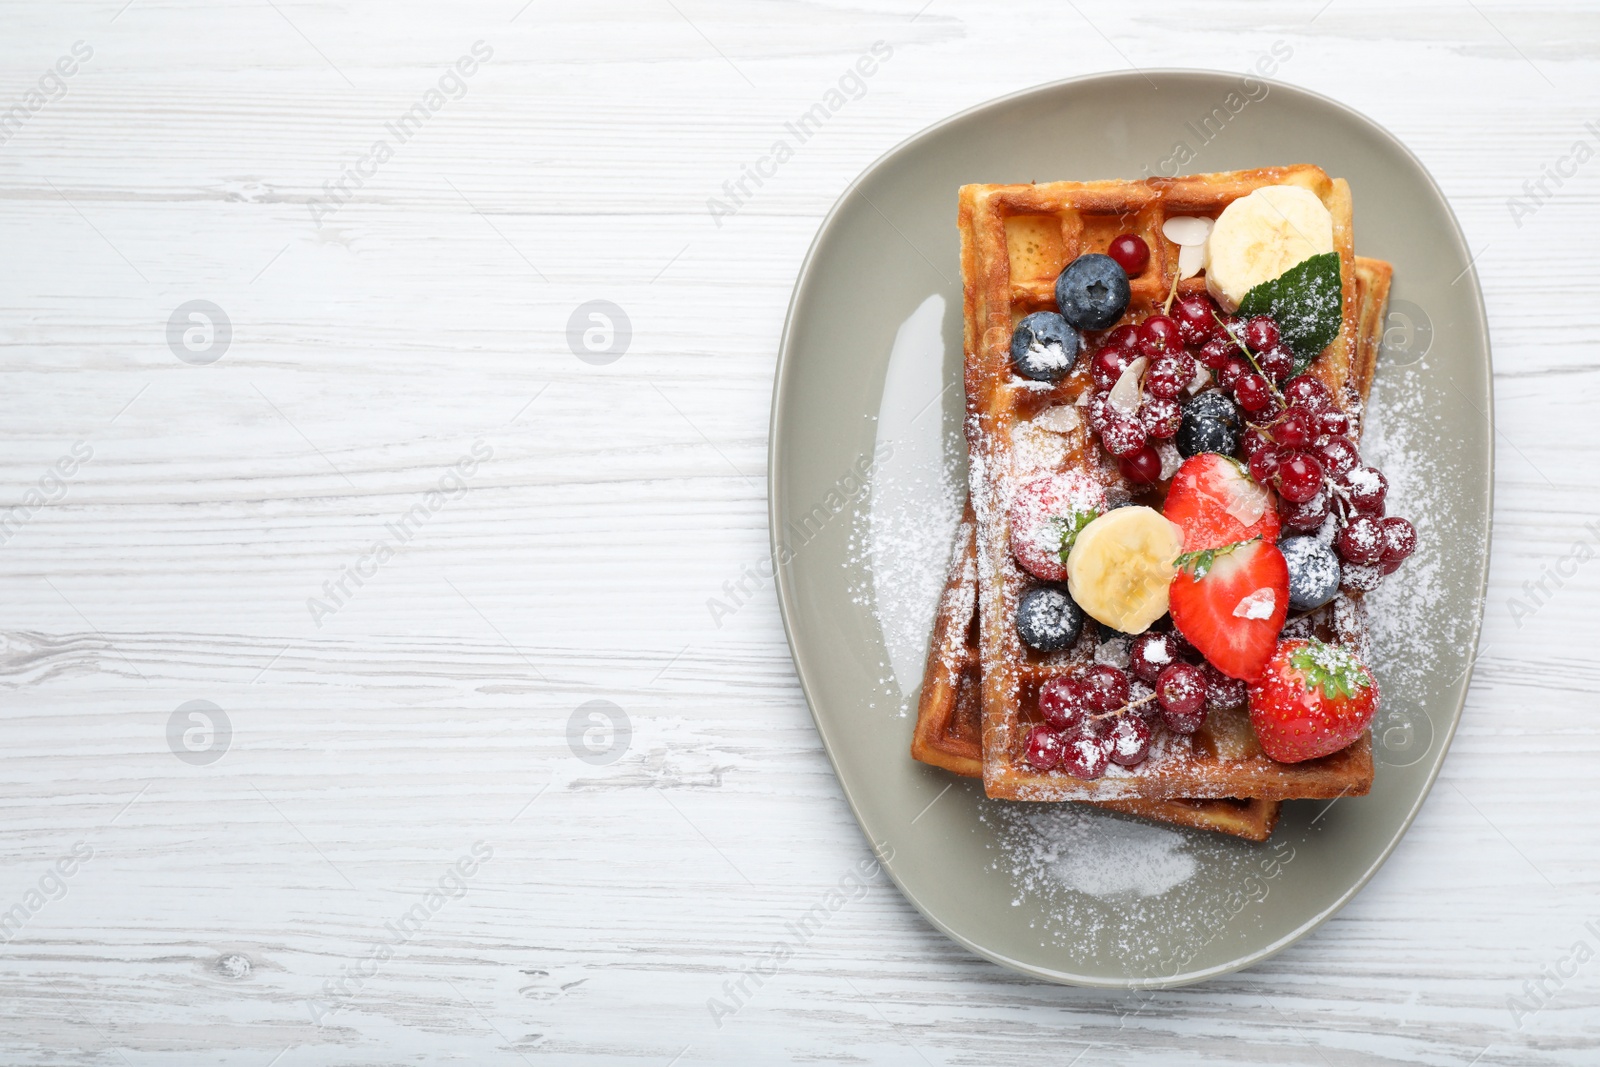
430 312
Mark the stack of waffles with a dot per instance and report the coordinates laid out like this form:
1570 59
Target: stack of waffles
980 689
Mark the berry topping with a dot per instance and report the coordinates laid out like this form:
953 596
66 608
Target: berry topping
1399 540
1222 691
1276 363
1063 703
1129 740
1105 688
1085 756
1124 336
1092 292
1181 691
1294 430
1215 503
1122 436
1108 365
1195 318
1260 332
1233 369
1047 511
1361 540
1313 572
1230 602
1152 653
1044 347
1160 416
1312 700
1044 748
1366 487
1142 467
1047 619
1216 352
1299 477
1307 393
1264 462
1170 374
1252 392
1130 252
1306 516
1214 405
1338 455
1158 335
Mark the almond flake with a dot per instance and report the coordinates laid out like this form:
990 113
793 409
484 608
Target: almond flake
1060 419
1125 394
1191 260
1258 605
1185 230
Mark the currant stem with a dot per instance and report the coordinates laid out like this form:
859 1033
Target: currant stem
1117 713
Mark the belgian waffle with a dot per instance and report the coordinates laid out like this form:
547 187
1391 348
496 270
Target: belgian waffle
949 728
1015 239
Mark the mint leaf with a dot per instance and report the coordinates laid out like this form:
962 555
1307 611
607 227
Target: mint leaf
1331 668
1197 564
1071 525
1307 303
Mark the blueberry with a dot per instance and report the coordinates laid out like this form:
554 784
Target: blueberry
1092 292
1313 572
1202 434
1047 619
1044 347
1214 405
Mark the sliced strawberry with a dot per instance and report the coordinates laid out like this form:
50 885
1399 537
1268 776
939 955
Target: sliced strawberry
1047 511
1230 603
1215 502
1311 700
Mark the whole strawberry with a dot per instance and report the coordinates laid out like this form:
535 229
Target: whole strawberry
1311 700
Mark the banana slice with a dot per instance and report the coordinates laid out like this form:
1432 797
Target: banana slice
1121 566
1258 237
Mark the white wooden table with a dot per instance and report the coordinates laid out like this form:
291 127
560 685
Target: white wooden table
268 891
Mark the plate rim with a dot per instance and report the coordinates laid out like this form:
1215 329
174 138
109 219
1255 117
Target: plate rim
783 572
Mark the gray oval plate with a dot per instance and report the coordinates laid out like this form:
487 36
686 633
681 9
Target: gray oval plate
867 470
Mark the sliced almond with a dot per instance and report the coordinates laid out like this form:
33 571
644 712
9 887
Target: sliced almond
1125 394
1062 418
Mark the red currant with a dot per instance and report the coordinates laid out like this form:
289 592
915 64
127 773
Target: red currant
1299 478
1260 332
1153 652
1044 748
1129 741
1157 335
1130 252
1223 691
1304 391
1264 464
1167 378
1252 392
1333 423
1142 467
1160 417
1235 368
1399 540
1062 702
1108 365
1215 352
1366 487
1254 440
1105 687
1275 363
1269 411
1124 336
1195 322
1181 692
1100 412
1085 756
1361 540
1122 436
1306 516
1294 430
1338 455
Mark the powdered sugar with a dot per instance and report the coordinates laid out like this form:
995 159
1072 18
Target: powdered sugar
1258 605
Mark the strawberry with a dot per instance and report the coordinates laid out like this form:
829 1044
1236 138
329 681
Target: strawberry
1312 700
1047 511
1230 602
1215 502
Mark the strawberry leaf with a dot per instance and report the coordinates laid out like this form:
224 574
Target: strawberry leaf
1071 525
1307 303
1333 669
1197 564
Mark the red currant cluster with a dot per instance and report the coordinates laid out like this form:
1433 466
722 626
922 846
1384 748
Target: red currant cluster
1128 426
1092 719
